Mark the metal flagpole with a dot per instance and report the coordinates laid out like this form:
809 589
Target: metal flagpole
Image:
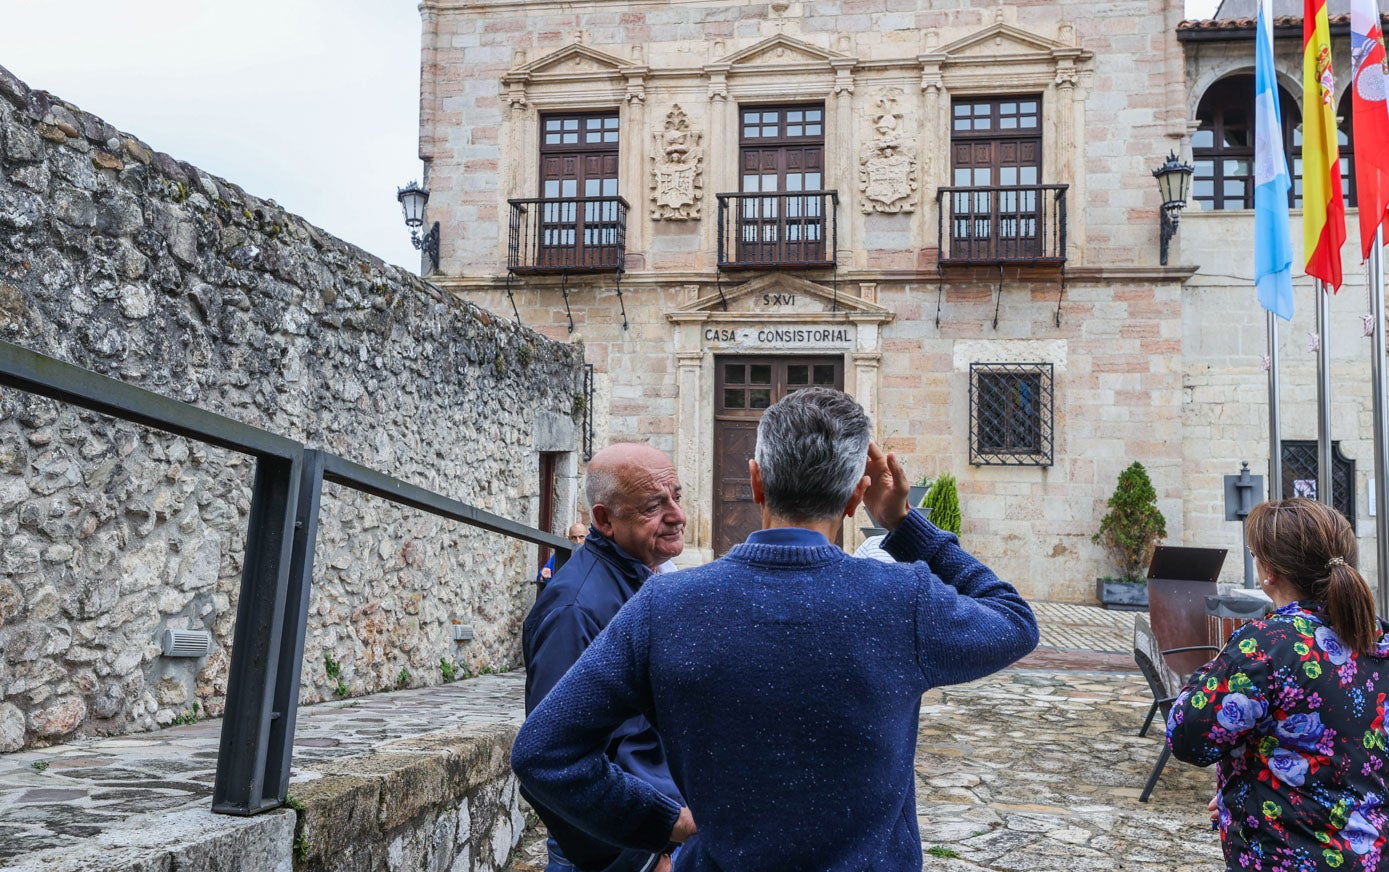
1375 268
1275 436
1323 396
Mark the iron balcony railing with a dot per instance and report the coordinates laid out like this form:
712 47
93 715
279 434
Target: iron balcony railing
791 230
576 235
257 741
1023 224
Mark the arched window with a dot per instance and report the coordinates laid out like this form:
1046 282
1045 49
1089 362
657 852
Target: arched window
1222 148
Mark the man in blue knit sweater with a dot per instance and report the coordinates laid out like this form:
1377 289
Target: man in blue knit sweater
786 678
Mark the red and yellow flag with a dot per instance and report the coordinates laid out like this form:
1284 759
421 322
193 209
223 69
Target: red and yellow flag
1323 208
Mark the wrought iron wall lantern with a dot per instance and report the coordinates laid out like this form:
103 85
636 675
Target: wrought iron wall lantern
412 201
1174 180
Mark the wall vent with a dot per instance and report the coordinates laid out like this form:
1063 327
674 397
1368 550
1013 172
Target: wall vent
186 643
462 632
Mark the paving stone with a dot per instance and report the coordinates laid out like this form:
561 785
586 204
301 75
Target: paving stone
1025 770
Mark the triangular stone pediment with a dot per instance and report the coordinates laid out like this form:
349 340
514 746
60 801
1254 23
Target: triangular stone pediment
1004 40
780 295
574 58
779 49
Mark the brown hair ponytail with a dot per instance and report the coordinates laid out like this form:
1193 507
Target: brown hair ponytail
1350 608
1313 546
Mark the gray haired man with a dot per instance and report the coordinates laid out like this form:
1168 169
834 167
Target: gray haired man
786 677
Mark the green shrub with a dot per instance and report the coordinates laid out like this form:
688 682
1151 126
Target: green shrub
942 504
1134 525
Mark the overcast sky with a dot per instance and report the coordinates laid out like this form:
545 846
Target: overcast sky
311 103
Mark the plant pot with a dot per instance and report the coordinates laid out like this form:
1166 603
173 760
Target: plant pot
1127 596
916 494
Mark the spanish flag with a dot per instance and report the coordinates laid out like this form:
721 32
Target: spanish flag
1323 208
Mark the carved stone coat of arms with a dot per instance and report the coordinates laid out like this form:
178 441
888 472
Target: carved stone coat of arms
677 160
887 170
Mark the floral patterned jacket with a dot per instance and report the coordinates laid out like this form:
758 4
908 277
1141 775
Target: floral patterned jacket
1296 723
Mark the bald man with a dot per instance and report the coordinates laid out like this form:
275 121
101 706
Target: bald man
638 527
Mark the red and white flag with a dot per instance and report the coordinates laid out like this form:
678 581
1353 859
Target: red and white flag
1370 116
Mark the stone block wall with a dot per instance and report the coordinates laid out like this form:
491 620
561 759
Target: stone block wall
1225 385
128 262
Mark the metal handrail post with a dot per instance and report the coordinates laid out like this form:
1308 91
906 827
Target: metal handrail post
240 785
280 749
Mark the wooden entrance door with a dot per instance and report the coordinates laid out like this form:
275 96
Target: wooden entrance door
744 388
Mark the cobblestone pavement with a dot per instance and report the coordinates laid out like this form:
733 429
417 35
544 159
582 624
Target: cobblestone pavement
1040 769
1036 768
112 789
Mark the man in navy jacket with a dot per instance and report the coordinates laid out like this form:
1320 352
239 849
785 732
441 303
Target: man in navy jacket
786 677
638 527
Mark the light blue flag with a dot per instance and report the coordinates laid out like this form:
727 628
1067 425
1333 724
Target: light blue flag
1273 250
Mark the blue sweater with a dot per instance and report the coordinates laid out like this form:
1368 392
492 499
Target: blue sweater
785 680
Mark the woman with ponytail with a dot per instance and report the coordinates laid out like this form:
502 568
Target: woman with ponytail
1292 710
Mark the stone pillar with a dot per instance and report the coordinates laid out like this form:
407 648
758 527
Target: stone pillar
693 460
632 171
429 78
867 357
933 143
1066 156
720 160
845 167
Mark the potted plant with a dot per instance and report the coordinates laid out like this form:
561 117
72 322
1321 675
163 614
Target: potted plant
1130 532
917 492
942 504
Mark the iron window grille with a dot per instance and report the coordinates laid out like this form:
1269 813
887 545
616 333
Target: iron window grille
1011 414
1300 475
588 412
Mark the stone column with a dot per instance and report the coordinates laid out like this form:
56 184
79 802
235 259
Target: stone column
845 168
933 143
867 357
693 459
720 160
1066 156
632 170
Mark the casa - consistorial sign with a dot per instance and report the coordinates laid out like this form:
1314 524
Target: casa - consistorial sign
767 337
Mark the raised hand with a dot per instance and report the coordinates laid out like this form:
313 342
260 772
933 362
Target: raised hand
886 497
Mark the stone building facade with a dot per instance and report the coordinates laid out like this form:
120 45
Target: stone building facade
948 209
130 263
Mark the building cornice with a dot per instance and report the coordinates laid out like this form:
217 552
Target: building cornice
847 278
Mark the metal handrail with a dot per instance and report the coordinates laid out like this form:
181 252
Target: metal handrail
257 738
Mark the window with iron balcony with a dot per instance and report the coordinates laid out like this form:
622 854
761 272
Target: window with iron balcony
996 211
781 217
578 224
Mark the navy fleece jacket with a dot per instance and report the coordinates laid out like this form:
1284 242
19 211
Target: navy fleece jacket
785 680
580 600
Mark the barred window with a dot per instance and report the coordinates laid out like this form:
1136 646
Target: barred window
1300 475
1010 412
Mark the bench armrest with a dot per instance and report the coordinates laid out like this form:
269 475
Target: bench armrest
1192 648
